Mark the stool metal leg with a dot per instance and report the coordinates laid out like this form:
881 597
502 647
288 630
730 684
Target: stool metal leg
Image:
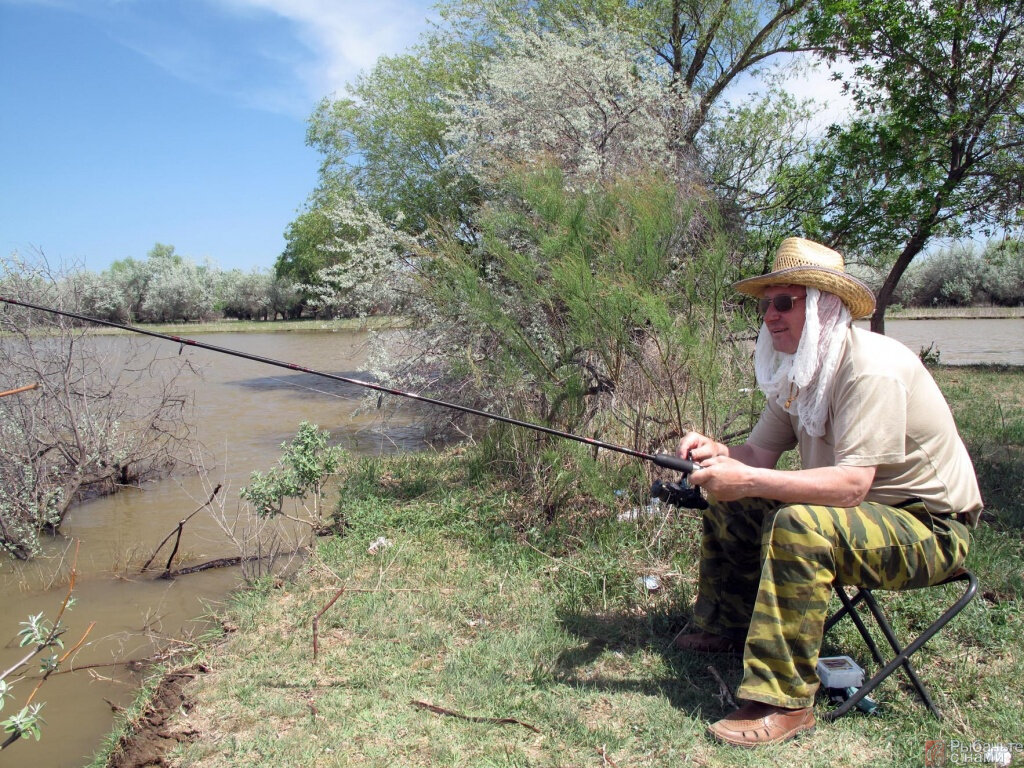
902 655
894 643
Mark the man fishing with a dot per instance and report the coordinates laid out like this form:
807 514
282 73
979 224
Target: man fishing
883 499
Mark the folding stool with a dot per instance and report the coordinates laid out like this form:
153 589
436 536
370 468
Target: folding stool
902 657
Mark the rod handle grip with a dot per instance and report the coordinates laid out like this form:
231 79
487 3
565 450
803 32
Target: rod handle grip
670 461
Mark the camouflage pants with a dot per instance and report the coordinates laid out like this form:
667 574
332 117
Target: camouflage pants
766 576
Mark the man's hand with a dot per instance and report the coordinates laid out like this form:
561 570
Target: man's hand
724 478
697 447
728 479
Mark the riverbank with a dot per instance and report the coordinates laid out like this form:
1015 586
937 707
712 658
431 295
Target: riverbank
462 640
953 313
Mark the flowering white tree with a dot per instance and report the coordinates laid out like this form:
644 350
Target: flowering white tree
98 295
591 98
245 295
369 258
180 290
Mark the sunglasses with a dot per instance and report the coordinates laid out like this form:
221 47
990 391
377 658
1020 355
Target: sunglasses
781 303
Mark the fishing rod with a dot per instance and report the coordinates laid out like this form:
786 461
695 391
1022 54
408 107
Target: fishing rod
666 460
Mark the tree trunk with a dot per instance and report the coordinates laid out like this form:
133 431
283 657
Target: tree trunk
913 247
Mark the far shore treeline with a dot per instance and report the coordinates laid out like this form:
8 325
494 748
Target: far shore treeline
167 287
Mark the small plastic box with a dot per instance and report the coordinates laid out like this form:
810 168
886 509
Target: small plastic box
840 672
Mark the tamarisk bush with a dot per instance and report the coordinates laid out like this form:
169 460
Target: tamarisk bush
601 313
105 413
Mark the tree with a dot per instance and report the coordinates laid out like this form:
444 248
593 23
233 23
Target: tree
597 311
301 474
385 141
709 45
131 279
754 153
179 290
302 257
703 46
245 295
389 142
938 149
368 264
583 98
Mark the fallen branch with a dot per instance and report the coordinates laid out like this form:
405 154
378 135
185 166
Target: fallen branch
603 752
491 720
178 530
220 562
724 695
316 621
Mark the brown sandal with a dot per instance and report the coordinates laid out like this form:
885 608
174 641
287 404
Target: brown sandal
756 723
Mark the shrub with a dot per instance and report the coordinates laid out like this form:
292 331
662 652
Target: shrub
601 313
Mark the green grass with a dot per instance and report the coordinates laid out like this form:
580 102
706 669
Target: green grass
474 612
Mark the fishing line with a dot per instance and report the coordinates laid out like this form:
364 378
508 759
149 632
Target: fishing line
665 460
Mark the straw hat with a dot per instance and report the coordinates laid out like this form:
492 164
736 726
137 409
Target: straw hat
804 262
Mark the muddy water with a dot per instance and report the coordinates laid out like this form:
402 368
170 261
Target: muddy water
962 342
243 412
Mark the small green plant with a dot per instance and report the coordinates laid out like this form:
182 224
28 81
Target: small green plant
41 637
930 355
307 462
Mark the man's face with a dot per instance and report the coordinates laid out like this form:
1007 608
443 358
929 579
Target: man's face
786 327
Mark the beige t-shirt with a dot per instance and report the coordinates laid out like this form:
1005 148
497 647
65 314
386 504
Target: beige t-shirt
885 411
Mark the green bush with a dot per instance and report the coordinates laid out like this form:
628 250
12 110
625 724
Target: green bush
600 312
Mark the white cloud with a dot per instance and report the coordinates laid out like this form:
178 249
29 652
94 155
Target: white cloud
345 37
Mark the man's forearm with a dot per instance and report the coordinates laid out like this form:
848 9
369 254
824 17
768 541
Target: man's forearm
832 486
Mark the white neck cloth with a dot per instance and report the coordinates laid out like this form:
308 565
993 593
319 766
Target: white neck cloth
800 383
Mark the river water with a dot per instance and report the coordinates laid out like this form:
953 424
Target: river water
243 411
962 342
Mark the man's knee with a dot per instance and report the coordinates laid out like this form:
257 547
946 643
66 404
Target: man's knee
799 528
796 518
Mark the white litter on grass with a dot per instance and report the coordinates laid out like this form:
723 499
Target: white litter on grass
378 544
637 513
650 583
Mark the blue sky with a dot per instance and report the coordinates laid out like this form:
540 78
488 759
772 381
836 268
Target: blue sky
124 123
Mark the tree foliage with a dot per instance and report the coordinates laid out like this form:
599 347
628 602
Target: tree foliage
586 98
305 466
938 149
391 141
369 268
386 140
